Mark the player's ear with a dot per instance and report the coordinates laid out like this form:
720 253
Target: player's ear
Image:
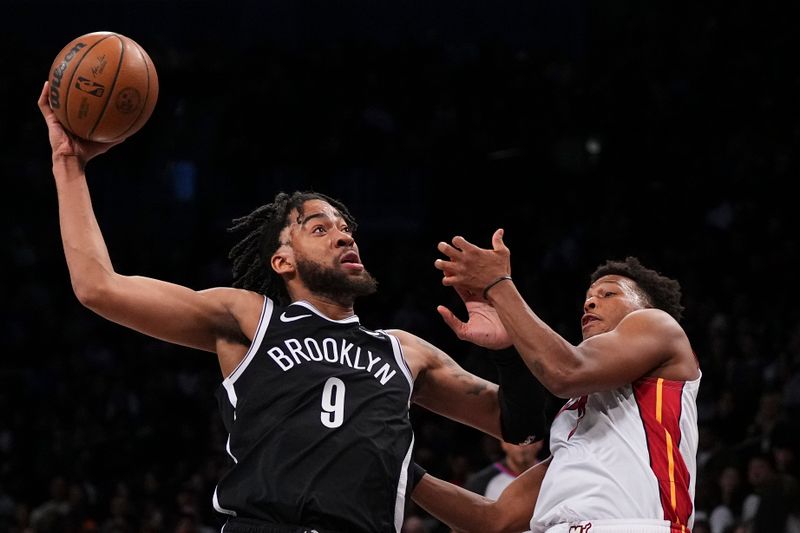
282 261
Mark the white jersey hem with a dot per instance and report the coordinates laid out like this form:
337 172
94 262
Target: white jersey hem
614 526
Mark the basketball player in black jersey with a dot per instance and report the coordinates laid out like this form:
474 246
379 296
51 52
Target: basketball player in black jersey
315 404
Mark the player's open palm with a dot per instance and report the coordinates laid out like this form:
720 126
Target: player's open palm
483 326
65 144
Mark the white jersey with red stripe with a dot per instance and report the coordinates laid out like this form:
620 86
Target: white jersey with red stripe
625 454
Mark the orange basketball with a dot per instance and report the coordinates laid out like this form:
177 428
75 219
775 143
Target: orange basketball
103 86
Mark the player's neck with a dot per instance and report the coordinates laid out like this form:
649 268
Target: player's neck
333 309
514 468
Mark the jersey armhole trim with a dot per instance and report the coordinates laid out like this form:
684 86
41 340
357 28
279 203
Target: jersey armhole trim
397 348
263 322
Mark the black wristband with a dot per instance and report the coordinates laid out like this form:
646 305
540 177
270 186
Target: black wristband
492 284
522 399
415 474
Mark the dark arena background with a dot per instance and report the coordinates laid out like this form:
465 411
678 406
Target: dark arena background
588 130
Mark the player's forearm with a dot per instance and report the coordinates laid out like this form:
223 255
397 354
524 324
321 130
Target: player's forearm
546 353
469 400
460 509
84 248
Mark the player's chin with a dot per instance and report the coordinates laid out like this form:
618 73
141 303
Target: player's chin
590 330
361 283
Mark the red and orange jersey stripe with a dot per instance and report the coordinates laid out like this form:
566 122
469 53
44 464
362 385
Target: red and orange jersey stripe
659 402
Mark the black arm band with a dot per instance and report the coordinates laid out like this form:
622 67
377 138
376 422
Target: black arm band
415 474
522 399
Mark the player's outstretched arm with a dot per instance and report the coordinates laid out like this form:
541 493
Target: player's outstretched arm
467 512
442 386
513 412
644 340
163 310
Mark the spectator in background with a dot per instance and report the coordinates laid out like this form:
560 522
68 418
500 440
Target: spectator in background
414 524
51 514
772 504
7 507
494 478
784 452
769 421
728 508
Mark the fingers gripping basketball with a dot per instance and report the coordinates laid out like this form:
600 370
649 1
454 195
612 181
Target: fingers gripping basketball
103 86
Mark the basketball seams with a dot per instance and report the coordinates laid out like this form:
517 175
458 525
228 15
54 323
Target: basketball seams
68 87
117 73
147 66
111 88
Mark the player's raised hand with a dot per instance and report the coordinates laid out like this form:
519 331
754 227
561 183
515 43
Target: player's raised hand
483 326
65 144
473 268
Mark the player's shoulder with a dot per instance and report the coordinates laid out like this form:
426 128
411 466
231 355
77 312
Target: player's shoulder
238 302
231 293
246 296
403 337
656 320
680 362
419 353
410 343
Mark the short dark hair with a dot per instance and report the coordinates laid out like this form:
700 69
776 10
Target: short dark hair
662 292
262 229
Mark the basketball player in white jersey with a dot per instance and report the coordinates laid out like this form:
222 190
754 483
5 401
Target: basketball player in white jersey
624 444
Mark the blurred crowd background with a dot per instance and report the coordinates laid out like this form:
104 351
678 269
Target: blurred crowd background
588 131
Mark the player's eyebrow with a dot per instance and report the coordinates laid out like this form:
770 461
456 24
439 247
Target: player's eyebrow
312 216
601 283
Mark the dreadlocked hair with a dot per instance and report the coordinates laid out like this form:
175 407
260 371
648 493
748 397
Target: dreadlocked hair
262 229
661 292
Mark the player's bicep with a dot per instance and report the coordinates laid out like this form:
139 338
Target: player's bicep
642 342
167 311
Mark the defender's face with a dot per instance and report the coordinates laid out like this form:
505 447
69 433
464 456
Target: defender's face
522 457
610 299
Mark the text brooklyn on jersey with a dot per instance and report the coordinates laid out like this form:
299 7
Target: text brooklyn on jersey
319 431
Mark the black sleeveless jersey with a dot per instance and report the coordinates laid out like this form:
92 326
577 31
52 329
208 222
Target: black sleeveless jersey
318 419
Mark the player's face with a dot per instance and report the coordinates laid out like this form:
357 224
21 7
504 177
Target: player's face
520 458
609 300
326 254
